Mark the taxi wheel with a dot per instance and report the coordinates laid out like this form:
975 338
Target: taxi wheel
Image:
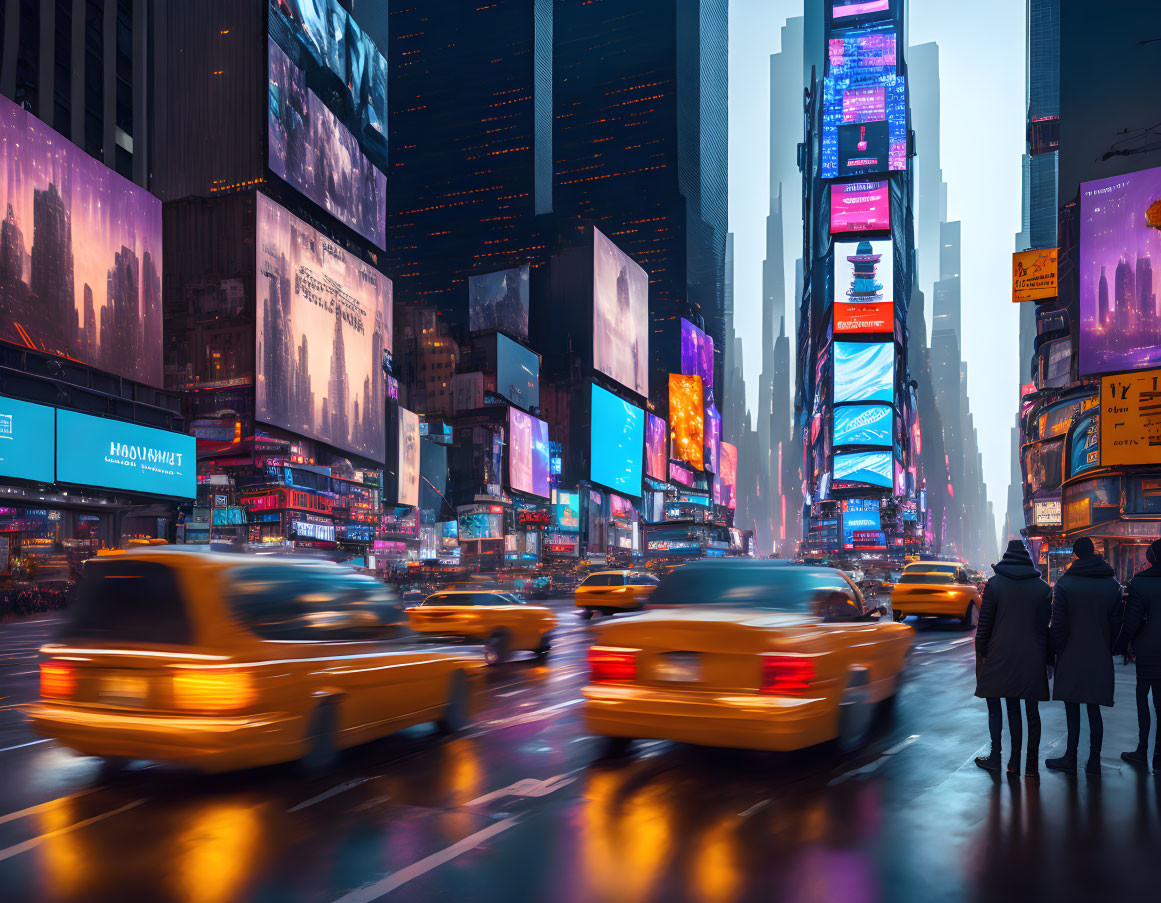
112 767
496 648
321 753
615 747
856 713
455 714
541 651
971 617
586 614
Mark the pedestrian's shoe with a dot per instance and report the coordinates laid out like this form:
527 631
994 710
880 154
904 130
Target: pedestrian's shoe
1136 757
1067 762
1093 765
989 762
1014 763
1032 765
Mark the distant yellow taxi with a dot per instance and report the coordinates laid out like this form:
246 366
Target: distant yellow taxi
937 589
609 592
219 662
746 654
500 620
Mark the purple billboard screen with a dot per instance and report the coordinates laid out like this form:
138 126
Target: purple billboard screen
697 353
860 207
80 254
847 9
713 439
1119 324
656 436
312 150
620 316
499 301
527 453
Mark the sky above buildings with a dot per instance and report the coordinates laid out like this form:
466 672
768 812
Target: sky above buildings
982 124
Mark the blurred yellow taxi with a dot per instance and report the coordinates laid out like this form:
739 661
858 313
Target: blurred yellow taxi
746 654
499 619
937 589
220 662
608 592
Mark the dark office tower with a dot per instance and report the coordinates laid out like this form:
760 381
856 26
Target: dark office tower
150 310
337 386
1103 300
11 252
1145 288
90 325
639 142
124 280
470 95
51 276
1123 294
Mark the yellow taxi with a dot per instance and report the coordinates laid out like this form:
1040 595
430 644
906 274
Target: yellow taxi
499 619
608 592
746 654
220 662
937 589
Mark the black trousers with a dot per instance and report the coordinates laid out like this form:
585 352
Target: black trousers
1096 728
1144 685
1015 727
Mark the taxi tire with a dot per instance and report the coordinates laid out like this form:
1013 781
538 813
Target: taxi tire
586 614
856 712
456 713
971 617
496 648
615 747
541 651
112 767
321 752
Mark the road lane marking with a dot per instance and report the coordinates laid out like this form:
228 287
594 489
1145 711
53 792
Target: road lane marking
528 788
397 879
757 807
525 718
32 844
22 745
326 795
42 807
876 764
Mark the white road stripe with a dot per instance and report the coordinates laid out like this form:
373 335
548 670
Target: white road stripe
528 788
326 795
757 807
42 807
875 765
37 841
22 745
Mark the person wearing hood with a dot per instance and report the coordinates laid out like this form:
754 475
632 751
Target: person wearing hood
1143 630
1012 655
1086 619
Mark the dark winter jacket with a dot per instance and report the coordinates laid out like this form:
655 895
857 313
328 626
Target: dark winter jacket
1143 622
1012 635
1086 620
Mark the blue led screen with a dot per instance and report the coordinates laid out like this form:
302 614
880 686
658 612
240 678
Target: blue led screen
864 372
863 424
94 451
26 440
618 438
870 468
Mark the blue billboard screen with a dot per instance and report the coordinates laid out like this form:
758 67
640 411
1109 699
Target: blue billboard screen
517 373
618 438
864 372
863 424
118 455
26 440
869 468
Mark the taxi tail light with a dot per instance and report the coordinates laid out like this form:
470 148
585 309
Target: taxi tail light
212 692
58 680
786 675
611 664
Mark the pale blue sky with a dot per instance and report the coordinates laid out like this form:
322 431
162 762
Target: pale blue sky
982 124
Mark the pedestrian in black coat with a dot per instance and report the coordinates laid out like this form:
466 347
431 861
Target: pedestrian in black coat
1086 620
1143 631
1012 654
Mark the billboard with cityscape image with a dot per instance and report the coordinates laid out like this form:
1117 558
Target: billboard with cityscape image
656 442
527 453
311 149
499 301
864 372
1120 234
620 316
863 286
323 325
80 254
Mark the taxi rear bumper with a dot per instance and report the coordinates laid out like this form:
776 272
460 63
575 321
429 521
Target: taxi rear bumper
944 606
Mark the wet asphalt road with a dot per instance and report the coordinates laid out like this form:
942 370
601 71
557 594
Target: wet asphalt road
525 806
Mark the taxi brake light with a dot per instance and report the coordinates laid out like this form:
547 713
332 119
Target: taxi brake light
610 664
212 691
57 680
786 675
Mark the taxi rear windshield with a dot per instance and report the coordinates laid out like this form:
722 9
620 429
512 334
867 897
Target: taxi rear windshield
948 577
789 589
129 602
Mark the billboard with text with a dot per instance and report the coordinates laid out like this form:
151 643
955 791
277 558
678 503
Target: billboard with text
27 440
860 207
863 286
97 451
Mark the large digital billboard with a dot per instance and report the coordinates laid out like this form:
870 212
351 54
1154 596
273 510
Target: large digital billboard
860 207
841 10
1120 237
432 477
617 439
499 301
620 316
864 105
713 438
323 325
311 149
656 441
95 451
407 463
1034 275
517 373
863 286
80 254
863 468
343 66
1130 431
728 478
527 453
27 440
1084 452
864 372
697 353
863 424
686 419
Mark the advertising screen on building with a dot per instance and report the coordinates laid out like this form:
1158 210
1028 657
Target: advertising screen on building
1034 275
481 525
863 468
80 254
713 438
863 286
1130 429
728 478
617 440
499 301
1120 237
864 372
527 453
679 473
863 424
620 316
1084 452
864 107
697 354
408 461
342 65
656 440
323 325
94 451
311 149
432 477
686 420
517 373
27 440
853 9
860 207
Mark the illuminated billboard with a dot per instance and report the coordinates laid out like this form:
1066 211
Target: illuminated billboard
527 453
713 438
499 301
860 207
853 9
27 440
686 419
517 373
863 286
863 424
323 325
311 149
481 525
1034 275
1120 236
407 463
1131 432
728 478
864 372
864 106
620 316
96 451
80 254
341 63
697 353
863 468
1084 452
617 439
656 436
